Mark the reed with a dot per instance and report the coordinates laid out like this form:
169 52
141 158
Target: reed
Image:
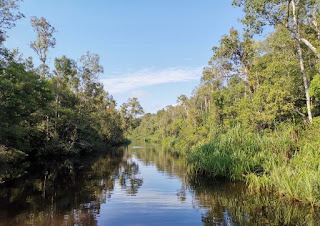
275 161
238 153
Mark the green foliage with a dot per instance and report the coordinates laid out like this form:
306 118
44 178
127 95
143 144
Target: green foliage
253 84
315 87
9 15
269 162
84 116
298 177
238 152
61 114
12 162
24 99
130 111
247 120
44 41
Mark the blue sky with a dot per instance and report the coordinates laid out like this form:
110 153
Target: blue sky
151 49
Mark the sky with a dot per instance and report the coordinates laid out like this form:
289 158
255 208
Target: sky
151 49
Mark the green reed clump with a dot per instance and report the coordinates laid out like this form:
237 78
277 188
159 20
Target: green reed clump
281 161
238 152
298 178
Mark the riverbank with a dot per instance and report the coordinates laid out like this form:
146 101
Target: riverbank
284 162
15 163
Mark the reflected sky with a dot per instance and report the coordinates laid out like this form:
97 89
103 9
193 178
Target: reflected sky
156 203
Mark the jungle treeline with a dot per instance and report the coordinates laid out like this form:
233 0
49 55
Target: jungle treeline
55 112
255 116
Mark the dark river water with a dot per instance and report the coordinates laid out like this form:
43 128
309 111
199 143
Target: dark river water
138 185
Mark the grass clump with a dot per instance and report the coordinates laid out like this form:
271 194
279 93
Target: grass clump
298 178
238 153
283 161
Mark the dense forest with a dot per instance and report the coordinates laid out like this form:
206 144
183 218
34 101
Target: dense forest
256 114
59 112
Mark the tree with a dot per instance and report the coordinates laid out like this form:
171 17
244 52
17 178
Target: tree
65 82
233 56
64 113
90 71
182 99
24 99
130 112
294 15
64 85
9 14
44 40
66 71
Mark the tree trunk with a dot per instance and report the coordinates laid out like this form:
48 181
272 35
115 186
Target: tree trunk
304 76
43 71
317 28
305 82
310 46
295 31
47 127
206 104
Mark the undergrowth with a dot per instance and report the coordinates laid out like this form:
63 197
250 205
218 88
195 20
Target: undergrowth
284 161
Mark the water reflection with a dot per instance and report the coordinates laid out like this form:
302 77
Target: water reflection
64 192
127 177
232 204
137 186
226 203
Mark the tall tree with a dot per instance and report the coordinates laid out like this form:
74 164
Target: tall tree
130 112
64 85
283 12
90 71
294 15
44 40
182 99
233 56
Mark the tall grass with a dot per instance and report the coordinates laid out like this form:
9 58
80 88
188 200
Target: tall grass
299 177
238 153
277 161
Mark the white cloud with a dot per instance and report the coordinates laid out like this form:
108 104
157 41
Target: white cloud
148 77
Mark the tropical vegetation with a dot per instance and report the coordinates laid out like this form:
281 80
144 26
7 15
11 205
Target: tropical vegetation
59 112
255 116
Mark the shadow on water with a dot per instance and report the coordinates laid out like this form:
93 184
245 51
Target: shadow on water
70 192
230 203
65 192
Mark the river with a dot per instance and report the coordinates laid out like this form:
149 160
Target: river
138 185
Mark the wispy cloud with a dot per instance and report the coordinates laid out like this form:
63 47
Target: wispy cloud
148 77
140 94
